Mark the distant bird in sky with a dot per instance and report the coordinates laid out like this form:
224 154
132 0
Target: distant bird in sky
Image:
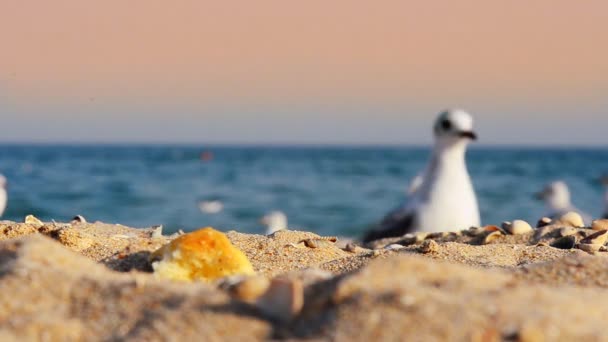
604 181
3 194
211 206
556 196
274 221
442 197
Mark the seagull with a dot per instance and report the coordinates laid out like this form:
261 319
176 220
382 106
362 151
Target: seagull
210 207
274 221
556 196
604 181
3 194
442 197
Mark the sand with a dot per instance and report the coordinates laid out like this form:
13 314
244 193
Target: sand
93 281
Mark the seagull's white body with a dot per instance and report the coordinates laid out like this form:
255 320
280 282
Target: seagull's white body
3 195
446 200
274 221
442 198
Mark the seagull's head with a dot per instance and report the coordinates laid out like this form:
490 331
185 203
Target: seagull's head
556 195
454 126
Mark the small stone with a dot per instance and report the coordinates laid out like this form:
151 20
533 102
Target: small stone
492 237
34 221
600 224
598 238
350 247
428 246
543 222
573 219
318 243
589 247
394 246
566 242
517 227
283 299
78 219
474 231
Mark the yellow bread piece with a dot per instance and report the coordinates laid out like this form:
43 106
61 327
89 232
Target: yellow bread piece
205 254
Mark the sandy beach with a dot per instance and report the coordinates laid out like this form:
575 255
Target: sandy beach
93 281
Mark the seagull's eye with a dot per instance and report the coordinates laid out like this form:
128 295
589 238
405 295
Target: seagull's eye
446 125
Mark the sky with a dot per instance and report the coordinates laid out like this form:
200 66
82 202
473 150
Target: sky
313 72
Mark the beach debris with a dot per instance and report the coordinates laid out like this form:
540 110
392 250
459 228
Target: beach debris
320 242
573 219
205 254
34 221
600 224
283 299
543 222
394 247
428 246
78 219
594 242
157 231
565 242
517 227
492 237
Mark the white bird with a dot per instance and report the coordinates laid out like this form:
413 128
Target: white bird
442 198
604 181
274 221
3 195
556 196
211 207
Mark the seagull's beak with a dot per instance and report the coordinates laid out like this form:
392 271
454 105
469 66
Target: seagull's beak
468 134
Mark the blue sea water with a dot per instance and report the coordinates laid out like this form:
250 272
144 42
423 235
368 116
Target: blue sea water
329 190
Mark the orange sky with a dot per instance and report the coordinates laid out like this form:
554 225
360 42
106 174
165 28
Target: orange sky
320 59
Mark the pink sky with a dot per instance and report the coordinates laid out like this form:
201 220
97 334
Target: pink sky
376 64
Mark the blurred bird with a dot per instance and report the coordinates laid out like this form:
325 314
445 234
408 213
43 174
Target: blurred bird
556 196
3 194
442 197
604 181
211 207
274 221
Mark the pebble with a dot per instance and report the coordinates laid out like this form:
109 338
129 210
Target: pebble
428 246
318 242
350 247
573 219
600 224
283 299
34 221
517 227
250 288
545 221
589 247
394 246
566 231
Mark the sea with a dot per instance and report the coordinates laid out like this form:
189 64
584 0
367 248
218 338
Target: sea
330 190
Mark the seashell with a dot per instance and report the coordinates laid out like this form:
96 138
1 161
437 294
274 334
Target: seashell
34 221
566 231
157 231
573 219
545 221
250 288
428 246
589 247
283 299
350 247
394 246
599 224
517 227
566 242
78 219
474 231
598 238
492 237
